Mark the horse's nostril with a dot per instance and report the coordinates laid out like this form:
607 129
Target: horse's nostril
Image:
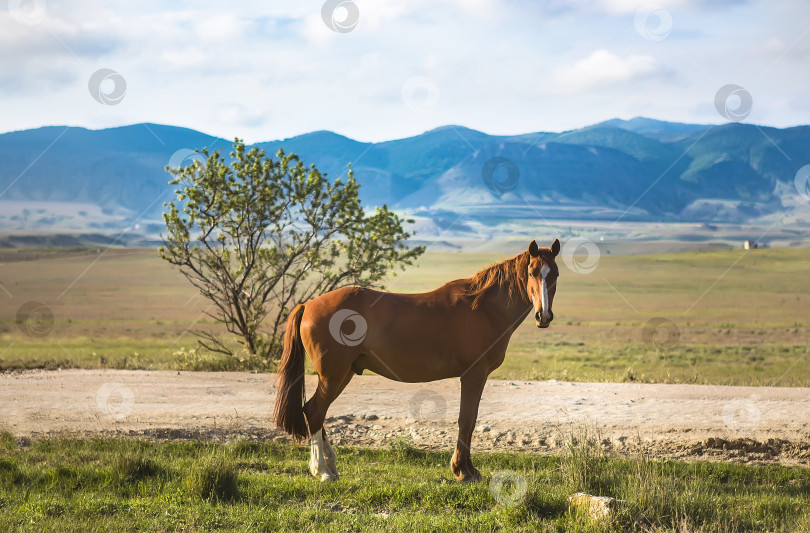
550 316
537 315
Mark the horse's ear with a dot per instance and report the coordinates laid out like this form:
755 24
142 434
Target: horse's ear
533 250
555 247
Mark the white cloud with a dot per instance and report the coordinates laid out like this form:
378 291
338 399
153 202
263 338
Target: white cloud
773 45
265 69
602 68
626 7
239 115
623 7
220 27
175 59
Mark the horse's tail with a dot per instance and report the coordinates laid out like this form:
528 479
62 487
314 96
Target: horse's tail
289 412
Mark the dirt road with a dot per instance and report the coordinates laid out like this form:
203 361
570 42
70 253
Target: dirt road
751 424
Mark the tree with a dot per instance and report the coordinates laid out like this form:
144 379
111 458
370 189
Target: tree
269 234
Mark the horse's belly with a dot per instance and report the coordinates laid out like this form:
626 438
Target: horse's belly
413 354
398 368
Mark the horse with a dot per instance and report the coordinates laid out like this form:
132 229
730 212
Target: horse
461 329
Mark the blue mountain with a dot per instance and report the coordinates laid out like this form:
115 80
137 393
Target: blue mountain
643 169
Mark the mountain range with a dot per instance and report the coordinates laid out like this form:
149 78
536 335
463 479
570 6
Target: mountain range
639 169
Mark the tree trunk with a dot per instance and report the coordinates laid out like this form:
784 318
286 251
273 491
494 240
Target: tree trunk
250 342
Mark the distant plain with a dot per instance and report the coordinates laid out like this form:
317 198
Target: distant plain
730 316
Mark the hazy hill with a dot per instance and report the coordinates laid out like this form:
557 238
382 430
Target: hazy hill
639 169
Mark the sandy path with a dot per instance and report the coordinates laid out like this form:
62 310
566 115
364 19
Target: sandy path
758 424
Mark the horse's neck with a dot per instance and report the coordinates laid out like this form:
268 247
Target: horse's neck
505 311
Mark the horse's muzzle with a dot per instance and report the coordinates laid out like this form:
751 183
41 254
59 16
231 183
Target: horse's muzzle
538 318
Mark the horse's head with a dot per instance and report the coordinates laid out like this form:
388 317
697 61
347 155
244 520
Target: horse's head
542 284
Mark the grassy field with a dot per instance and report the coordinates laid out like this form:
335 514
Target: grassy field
725 317
133 485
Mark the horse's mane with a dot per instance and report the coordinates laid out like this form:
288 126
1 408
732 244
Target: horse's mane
510 273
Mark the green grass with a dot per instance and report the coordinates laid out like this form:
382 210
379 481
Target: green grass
133 485
741 316
569 360
123 353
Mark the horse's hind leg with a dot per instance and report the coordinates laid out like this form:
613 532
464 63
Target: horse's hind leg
323 460
329 453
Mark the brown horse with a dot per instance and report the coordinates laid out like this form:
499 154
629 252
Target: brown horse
461 330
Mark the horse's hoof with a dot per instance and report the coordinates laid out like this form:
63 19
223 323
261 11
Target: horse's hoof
328 476
324 475
473 477
331 466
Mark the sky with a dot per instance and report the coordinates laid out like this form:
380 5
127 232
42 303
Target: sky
377 70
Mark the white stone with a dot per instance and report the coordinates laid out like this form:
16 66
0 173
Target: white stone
594 506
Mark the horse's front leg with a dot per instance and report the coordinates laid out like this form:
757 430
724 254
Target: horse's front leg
472 385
